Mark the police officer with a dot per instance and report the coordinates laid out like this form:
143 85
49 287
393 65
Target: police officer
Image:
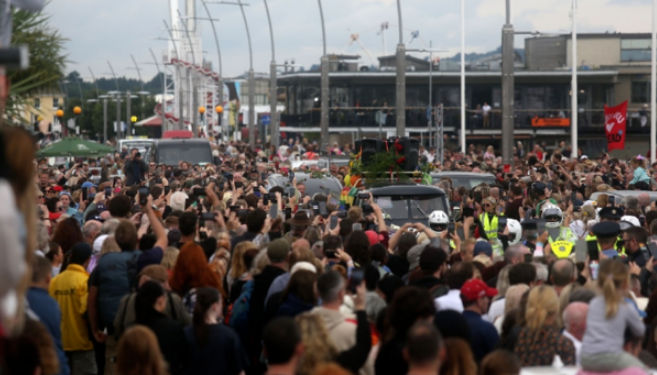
561 238
609 214
489 224
606 233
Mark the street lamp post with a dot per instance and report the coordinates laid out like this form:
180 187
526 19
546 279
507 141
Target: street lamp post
128 113
324 119
220 81
573 90
273 114
653 86
401 78
463 77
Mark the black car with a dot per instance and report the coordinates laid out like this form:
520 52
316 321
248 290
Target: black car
408 203
468 179
172 151
313 185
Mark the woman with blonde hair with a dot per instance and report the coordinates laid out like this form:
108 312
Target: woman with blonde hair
138 353
318 346
608 319
170 258
238 270
512 299
541 339
458 358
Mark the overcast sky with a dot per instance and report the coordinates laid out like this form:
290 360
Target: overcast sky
99 31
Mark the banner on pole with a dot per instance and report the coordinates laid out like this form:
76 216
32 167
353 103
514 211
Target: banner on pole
615 124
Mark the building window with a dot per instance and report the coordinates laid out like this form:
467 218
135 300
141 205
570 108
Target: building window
641 92
55 103
37 103
633 50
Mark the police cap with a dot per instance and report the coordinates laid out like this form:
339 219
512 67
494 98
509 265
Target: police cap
606 229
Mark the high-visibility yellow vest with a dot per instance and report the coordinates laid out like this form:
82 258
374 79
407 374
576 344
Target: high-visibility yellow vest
565 234
592 237
490 226
561 249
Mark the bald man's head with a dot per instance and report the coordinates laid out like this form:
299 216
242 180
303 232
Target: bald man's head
301 243
563 272
574 319
90 230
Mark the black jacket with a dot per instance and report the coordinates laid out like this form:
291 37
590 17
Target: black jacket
172 341
262 282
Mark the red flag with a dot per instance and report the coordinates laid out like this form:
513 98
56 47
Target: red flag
615 124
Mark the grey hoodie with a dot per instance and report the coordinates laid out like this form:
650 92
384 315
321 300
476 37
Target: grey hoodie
342 331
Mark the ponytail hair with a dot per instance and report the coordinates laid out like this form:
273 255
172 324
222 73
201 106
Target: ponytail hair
205 298
612 277
542 303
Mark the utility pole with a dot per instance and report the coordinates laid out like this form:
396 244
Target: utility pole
401 78
508 97
573 90
119 128
463 135
128 112
430 117
273 114
105 120
324 119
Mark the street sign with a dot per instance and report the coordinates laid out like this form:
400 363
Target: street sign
266 120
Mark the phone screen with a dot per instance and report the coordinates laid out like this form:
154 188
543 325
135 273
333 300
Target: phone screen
507 168
334 221
581 249
84 194
450 229
273 211
291 192
592 249
355 279
242 213
288 213
108 192
322 209
652 249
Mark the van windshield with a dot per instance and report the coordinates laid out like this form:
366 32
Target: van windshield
192 153
420 207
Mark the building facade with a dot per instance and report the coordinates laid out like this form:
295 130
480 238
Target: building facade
612 68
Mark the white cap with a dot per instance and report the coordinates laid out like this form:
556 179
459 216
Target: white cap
98 243
178 201
303 266
584 157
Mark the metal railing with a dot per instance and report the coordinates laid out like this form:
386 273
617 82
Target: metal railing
592 119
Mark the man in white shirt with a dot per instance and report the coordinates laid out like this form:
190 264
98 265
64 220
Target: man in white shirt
486 112
460 273
574 321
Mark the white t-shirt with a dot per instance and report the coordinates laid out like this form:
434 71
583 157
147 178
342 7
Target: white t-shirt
486 109
450 301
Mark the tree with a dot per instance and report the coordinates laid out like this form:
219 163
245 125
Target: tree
47 59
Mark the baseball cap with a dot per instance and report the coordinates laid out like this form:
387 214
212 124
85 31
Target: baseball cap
57 188
474 289
278 250
413 256
483 247
88 184
307 266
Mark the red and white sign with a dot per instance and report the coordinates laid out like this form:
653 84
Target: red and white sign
615 126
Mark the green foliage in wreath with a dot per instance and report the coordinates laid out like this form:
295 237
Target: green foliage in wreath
382 165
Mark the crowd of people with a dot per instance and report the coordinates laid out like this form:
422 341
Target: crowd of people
207 269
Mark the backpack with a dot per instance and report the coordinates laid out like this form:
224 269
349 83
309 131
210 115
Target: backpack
239 318
116 277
